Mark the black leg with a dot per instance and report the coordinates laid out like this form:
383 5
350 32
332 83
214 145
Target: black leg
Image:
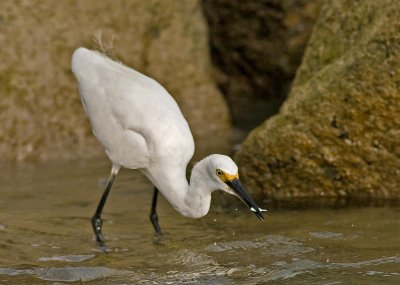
153 213
97 222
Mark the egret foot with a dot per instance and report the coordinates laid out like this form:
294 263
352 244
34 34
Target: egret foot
163 239
154 221
97 224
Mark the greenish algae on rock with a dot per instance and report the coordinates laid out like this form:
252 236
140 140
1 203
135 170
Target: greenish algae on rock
40 111
338 133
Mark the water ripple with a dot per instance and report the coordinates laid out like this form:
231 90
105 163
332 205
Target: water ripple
193 267
273 244
68 258
67 274
327 235
333 235
298 267
391 259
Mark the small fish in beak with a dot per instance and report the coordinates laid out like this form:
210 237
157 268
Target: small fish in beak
239 190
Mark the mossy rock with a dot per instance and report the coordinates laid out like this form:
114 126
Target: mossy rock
338 134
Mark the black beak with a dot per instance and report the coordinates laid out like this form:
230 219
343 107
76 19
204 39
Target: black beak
239 190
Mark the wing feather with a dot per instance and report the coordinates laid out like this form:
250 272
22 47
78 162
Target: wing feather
132 115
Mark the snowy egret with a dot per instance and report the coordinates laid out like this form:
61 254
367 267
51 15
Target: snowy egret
141 127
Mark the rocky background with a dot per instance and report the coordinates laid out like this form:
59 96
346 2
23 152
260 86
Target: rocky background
337 135
41 116
335 65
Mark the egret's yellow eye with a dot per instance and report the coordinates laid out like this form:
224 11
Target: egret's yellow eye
219 172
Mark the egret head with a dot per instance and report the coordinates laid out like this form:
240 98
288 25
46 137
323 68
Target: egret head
225 176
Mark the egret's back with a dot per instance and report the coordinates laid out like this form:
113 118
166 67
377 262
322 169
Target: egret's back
133 116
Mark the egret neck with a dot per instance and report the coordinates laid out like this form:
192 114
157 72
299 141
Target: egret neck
191 200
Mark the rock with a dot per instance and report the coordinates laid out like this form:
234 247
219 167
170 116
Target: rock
41 114
337 135
257 47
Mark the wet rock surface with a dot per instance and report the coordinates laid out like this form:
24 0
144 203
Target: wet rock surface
337 135
40 111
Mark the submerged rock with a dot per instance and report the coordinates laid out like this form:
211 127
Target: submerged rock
338 133
40 111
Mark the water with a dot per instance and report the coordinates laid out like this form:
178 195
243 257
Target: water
46 238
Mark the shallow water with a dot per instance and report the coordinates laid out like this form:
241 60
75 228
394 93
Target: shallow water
45 236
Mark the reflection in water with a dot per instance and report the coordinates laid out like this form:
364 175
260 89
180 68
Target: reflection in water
45 234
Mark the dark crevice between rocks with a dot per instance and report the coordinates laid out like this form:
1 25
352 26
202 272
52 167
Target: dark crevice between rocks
256 47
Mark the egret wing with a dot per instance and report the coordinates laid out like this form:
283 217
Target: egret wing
133 116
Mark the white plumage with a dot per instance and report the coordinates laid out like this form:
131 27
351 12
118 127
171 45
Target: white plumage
141 127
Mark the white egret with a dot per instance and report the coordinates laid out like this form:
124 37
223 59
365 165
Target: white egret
141 127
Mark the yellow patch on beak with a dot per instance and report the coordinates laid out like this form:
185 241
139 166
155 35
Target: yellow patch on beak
228 177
